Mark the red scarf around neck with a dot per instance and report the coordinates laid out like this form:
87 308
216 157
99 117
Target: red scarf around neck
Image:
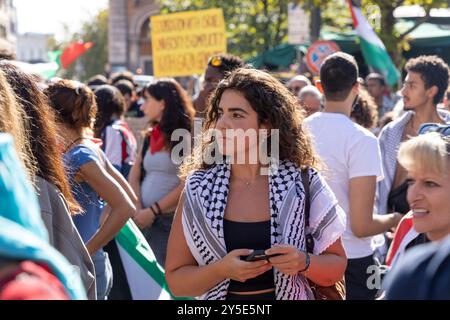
156 139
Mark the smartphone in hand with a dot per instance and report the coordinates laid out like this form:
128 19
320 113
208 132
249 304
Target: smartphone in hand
258 255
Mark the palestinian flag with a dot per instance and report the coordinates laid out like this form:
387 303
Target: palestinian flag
372 48
145 277
403 236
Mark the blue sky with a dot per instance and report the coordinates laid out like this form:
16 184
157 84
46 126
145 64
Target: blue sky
48 16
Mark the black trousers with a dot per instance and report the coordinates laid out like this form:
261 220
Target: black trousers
356 277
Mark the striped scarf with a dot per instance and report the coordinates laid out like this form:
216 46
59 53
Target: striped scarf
206 195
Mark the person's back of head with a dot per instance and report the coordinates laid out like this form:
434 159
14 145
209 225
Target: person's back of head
11 115
124 75
73 102
433 71
310 99
110 103
96 81
338 74
126 87
41 130
128 91
297 83
311 90
7 55
365 112
226 63
376 76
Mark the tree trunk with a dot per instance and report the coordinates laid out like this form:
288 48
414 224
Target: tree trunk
267 43
316 21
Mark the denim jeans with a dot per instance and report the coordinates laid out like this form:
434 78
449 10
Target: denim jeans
103 274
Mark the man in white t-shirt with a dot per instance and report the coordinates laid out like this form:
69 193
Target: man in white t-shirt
353 166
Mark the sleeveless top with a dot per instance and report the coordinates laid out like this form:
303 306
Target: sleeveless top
206 193
160 177
88 222
257 237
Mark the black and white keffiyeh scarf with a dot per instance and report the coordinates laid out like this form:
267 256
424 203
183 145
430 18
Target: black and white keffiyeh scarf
206 194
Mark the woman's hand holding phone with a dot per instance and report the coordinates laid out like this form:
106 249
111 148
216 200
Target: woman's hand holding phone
232 267
289 260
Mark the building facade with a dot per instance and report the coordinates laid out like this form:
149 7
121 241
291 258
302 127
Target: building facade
129 35
33 47
8 26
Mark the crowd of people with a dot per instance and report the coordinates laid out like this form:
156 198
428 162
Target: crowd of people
347 177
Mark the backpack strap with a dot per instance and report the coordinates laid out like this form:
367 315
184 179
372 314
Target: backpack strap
124 132
308 235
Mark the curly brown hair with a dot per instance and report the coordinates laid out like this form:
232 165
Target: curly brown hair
365 112
433 71
274 105
73 102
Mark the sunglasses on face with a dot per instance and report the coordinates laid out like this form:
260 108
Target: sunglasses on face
443 129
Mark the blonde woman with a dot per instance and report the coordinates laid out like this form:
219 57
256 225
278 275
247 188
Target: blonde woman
426 159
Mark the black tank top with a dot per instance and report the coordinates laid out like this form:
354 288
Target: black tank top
249 235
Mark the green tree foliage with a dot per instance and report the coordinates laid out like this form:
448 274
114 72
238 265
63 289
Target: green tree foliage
397 40
256 25
94 61
253 26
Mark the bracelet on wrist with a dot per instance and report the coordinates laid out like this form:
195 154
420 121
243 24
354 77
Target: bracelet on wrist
158 208
153 211
307 262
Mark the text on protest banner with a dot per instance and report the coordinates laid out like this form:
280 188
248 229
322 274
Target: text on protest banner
183 42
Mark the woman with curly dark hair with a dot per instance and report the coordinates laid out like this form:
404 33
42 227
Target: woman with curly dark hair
154 176
234 210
